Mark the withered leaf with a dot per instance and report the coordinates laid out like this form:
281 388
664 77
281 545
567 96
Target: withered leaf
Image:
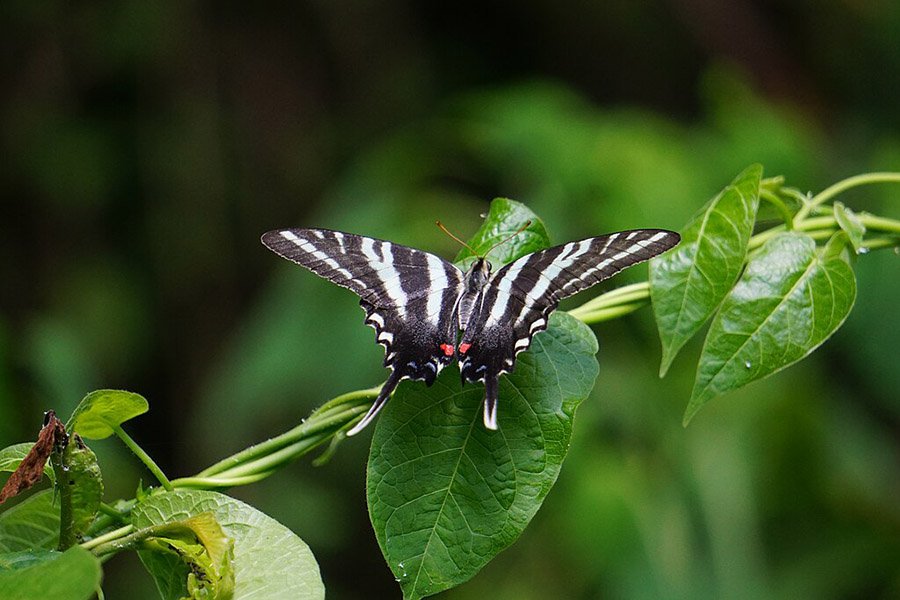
31 469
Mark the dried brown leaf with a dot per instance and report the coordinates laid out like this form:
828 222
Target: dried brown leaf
31 469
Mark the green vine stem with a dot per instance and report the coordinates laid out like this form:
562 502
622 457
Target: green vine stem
842 186
66 521
124 538
259 461
824 226
613 304
775 200
106 538
143 457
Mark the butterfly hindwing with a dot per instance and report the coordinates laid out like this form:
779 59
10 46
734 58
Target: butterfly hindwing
518 299
408 296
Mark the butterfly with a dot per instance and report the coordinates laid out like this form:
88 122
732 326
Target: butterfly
426 312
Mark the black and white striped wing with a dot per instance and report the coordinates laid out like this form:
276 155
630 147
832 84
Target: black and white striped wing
519 298
408 296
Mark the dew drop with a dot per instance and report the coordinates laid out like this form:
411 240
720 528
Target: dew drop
897 250
748 364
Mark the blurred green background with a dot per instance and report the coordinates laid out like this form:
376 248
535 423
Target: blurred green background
147 145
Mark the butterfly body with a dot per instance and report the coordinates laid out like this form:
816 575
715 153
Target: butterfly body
426 312
475 279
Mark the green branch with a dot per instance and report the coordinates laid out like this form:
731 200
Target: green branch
259 461
66 520
842 186
613 304
143 457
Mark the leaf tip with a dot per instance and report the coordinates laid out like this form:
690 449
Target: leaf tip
666 362
694 405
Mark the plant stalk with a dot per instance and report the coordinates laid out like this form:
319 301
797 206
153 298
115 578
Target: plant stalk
143 457
67 537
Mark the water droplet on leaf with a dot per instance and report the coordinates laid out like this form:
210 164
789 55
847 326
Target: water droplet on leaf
863 250
748 364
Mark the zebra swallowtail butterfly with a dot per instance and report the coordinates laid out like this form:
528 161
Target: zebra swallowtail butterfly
426 311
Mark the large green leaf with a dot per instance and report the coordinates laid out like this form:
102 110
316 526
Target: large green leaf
690 281
789 300
102 410
445 494
505 218
270 561
33 523
70 575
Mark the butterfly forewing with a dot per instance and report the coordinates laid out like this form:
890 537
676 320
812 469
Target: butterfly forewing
519 298
408 296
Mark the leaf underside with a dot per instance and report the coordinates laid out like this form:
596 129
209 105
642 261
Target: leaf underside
270 561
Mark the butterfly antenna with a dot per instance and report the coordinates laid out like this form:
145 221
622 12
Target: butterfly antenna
509 237
489 250
447 231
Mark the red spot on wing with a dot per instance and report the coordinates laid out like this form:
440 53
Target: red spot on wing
463 348
448 349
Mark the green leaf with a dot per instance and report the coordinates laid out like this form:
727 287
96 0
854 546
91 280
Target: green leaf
270 561
70 575
11 561
690 281
100 411
849 222
205 551
33 523
505 218
11 456
85 482
445 494
789 300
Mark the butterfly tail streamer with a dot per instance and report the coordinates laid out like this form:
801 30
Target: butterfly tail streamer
490 402
386 390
